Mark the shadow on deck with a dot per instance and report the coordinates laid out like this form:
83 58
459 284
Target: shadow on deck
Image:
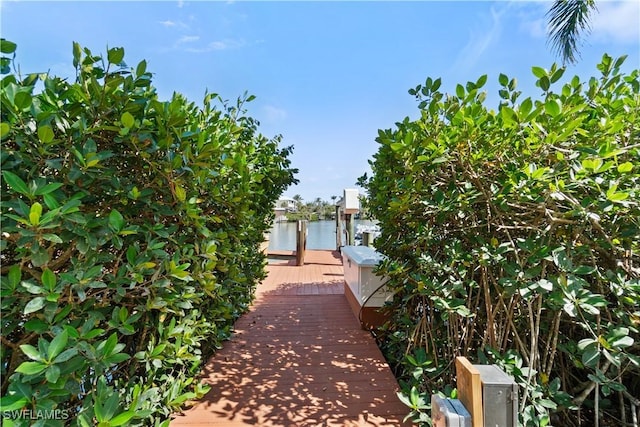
299 358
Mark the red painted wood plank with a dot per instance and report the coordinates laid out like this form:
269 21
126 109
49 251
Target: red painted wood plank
298 358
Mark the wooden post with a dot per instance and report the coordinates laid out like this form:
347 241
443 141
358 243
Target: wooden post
301 242
470 390
338 231
367 238
350 232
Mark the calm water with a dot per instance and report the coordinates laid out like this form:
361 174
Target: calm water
321 235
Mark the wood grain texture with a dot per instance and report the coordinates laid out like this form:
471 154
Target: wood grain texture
470 390
299 358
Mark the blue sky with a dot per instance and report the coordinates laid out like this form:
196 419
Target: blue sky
327 75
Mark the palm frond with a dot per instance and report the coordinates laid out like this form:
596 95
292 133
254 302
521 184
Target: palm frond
568 20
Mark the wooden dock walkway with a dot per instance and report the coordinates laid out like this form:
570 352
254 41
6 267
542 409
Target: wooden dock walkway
299 358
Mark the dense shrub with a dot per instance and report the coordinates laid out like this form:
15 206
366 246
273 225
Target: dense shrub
131 230
512 237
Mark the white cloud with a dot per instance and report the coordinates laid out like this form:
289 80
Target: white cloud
219 45
537 28
617 21
180 3
188 39
532 18
480 39
274 114
171 24
613 21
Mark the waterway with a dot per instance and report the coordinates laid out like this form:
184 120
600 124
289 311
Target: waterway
320 235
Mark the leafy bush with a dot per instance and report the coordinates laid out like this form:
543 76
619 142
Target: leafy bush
131 230
512 237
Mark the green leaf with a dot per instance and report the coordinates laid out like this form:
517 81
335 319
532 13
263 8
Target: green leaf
525 107
34 305
65 355
561 261
49 279
116 220
110 344
57 345
584 269
552 107
539 72
618 196
557 75
16 183
45 134
36 325
460 91
182 398
115 55
622 342
39 257
404 399
122 419
15 275
51 201
509 116
591 356
396 146
592 164
49 188
547 403
111 406
544 82
31 368
181 194
5 65
52 374
4 129
625 167
32 353
12 402
7 46
22 100
481 81
34 214
116 358
52 238
141 68
31 288
98 411
414 397
127 120
77 54
503 79
158 350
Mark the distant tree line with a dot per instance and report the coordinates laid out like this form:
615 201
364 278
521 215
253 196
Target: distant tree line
315 210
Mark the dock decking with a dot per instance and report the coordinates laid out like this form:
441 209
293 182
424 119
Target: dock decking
299 358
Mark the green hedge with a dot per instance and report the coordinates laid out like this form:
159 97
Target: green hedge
131 231
513 238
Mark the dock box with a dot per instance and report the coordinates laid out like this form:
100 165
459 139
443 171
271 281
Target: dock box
362 287
499 397
351 201
447 412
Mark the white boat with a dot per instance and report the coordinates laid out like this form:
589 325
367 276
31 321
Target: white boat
374 229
